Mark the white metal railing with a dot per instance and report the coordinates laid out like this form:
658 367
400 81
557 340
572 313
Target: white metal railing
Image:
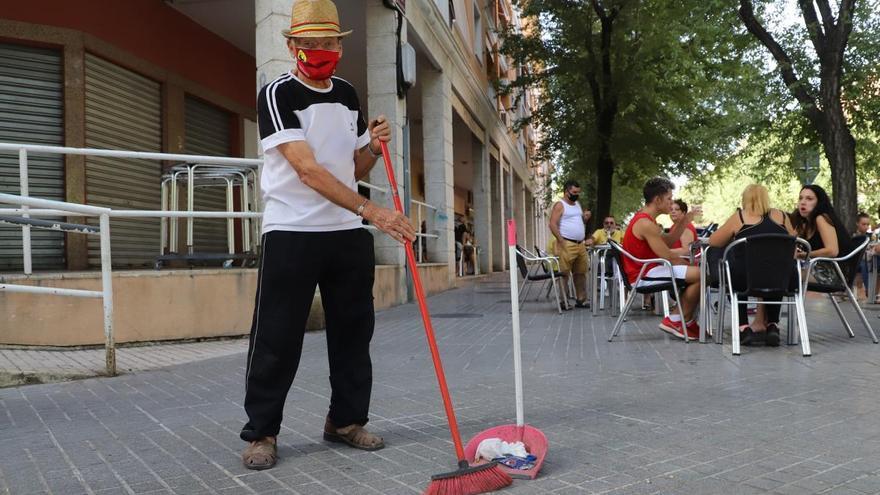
32 208
26 212
106 292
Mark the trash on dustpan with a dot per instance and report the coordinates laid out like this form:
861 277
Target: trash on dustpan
513 455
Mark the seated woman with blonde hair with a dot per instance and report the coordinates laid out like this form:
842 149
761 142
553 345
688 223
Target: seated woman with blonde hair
754 218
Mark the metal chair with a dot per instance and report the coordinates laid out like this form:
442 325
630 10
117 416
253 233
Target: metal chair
546 266
768 262
601 277
634 289
531 274
845 278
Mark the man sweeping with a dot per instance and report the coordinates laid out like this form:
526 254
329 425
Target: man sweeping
316 146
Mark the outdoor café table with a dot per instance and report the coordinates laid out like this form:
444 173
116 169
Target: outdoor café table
698 255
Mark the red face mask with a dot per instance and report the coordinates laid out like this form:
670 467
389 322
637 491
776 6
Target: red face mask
317 65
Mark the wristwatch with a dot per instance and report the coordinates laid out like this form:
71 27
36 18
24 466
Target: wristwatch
362 207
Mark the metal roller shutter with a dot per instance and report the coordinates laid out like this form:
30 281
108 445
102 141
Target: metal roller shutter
207 133
123 111
31 111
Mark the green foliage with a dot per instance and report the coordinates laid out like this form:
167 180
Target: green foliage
684 76
694 95
812 56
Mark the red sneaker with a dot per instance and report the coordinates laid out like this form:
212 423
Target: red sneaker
693 330
673 328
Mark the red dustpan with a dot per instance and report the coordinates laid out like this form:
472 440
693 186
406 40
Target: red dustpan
533 438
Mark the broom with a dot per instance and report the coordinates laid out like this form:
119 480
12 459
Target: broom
466 480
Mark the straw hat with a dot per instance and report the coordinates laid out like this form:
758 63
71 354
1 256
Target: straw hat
313 19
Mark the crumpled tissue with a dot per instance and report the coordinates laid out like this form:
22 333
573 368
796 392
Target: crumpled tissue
493 448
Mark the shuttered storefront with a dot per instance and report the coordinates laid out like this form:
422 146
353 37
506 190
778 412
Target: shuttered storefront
123 111
31 111
207 133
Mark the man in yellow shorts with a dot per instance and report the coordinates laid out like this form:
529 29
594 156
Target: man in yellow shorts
567 224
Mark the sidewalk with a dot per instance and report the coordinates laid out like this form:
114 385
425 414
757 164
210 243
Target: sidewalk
90 362
642 415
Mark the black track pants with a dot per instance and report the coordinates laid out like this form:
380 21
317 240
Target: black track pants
342 265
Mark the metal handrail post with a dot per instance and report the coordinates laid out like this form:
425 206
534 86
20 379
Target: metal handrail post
163 222
230 223
419 227
245 223
107 288
190 207
173 241
25 229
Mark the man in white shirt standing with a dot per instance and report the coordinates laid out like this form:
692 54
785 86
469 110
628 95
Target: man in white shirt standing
568 226
317 145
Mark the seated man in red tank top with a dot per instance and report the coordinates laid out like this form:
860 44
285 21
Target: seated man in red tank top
644 238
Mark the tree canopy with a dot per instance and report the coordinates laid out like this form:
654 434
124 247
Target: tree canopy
828 65
631 89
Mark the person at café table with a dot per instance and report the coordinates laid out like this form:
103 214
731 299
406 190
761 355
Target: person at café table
608 232
863 227
645 239
815 220
755 217
677 214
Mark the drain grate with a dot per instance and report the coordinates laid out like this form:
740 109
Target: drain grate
457 315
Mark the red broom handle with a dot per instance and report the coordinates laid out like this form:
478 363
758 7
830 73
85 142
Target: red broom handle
426 318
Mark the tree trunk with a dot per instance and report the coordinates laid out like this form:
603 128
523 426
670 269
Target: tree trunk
604 165
837 140
606 112
840 150
828 119
604 186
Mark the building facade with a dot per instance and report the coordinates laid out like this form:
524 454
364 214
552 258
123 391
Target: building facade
177 76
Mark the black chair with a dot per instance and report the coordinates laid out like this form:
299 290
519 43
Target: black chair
672 285
846 268
531 274
707 231
771 272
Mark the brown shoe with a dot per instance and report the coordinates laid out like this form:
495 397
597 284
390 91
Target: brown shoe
353 435
261 454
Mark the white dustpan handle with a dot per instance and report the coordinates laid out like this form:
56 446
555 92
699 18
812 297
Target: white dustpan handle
514 303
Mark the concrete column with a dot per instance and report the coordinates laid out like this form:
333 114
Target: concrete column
272 56
498 242
482 189
174 141
75 245
519 211
530 220
382 100
506 212
173 119
437 142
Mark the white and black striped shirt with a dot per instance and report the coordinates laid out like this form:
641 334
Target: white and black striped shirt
331 122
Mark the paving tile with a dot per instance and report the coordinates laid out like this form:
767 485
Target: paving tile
642 415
